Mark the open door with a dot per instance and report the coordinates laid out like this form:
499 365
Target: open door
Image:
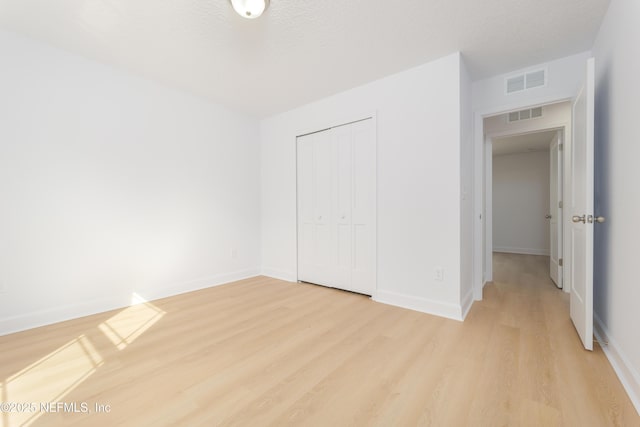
581 210
555 210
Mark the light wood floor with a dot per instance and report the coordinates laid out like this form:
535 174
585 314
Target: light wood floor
266 352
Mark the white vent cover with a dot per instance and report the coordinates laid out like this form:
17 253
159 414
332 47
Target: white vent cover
536 112
531 113
535 79
515 84
530 80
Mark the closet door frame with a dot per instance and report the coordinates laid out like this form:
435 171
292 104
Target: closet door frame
323 126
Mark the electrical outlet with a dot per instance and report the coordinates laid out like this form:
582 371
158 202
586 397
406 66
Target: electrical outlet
439 274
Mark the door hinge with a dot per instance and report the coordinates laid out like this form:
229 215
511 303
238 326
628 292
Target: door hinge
560 204
560 262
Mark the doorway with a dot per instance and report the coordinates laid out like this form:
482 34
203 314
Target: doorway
529 144
526 208
577 187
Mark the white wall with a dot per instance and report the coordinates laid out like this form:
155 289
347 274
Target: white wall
520 202
418 141
617 294
111 185
466 181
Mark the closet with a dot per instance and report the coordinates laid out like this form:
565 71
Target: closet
337 207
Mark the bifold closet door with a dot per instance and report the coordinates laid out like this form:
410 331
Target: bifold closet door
336 207
363 207
315 223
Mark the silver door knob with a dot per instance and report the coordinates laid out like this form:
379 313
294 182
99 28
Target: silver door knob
600 219
582 219
547 216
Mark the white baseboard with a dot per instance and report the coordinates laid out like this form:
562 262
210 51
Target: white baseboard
197 284
22 322
287 276
628 375
467 302
521 251
49 316
437 308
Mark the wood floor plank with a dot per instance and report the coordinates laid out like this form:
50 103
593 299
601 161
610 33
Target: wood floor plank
266 352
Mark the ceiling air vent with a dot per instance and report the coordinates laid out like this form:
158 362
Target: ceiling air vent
536 112
515 84
530 80
535 79
531 113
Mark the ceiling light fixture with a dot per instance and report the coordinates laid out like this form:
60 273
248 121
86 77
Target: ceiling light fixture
250 9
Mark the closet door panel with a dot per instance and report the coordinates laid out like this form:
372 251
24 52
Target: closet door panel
323 176
364 206
306 223
343 190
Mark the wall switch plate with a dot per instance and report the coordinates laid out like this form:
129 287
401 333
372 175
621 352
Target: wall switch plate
439 274
234 253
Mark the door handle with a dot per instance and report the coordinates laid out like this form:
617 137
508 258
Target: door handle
547 216
582 219
600 219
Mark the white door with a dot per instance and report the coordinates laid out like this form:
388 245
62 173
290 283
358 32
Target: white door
343 184
315 223
555 210
336 207
363 207
581 210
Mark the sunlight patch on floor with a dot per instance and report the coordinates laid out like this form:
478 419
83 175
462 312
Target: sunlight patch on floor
125 327
49 379
54 376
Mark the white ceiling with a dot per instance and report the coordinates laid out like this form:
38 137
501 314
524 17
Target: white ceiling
303 50
530 142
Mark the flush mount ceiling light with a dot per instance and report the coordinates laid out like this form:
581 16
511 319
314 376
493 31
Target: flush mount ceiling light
250 9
